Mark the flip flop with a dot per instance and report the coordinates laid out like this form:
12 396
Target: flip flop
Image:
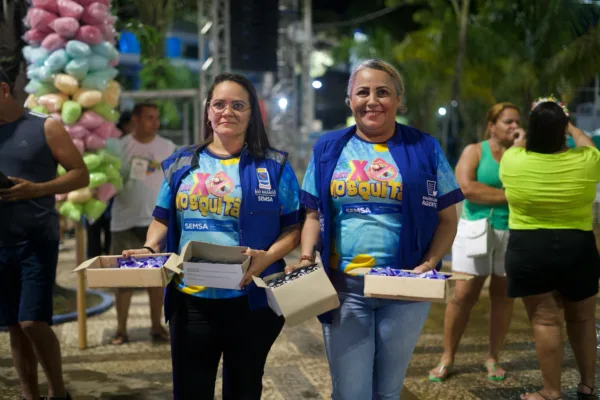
160 337
493 376
543 397
441 375
119 339
593 395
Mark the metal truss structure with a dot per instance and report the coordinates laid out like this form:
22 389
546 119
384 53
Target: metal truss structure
291 125
283 126
214 29
292 104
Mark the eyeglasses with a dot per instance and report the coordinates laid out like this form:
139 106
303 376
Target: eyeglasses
219 106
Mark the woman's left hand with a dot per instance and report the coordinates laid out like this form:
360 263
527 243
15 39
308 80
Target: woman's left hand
424 267
260 262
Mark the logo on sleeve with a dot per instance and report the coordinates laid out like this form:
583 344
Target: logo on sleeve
431 199
431 188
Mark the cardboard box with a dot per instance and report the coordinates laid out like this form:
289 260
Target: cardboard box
303 298
102 272
226 272
415 289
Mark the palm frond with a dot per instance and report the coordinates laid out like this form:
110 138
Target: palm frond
578 62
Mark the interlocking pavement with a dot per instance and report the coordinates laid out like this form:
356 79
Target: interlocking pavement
296 369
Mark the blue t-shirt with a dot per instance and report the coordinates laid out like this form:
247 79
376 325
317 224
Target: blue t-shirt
366 192
208 208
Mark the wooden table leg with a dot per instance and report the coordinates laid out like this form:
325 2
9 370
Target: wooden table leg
81 297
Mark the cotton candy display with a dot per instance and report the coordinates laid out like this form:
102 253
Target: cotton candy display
71 60
105 182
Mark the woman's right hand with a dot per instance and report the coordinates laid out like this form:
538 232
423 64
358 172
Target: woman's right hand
135 252
520 138
291 268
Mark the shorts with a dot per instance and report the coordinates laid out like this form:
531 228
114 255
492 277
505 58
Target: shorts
28 272
547 260
492 264
133 238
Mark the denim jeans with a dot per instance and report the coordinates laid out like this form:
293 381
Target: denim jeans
369 345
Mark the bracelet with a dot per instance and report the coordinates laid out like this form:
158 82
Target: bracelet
308 258
150 249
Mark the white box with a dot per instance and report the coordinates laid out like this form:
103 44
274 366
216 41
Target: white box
227 271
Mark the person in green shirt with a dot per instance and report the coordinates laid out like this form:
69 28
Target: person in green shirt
552 261
477 174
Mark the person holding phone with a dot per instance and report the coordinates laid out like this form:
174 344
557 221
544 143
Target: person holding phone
31 147
477 175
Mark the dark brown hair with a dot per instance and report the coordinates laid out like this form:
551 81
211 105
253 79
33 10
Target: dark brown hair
256 134
139 107
547 128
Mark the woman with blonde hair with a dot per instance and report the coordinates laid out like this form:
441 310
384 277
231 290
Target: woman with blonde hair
478 176
384 196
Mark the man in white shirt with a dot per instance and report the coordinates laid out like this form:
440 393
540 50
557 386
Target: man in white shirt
141 154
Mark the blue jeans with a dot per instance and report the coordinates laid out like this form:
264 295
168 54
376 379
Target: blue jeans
369 345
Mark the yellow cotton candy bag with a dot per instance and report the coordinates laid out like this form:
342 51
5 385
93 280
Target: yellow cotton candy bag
87 98
31 102
112 93
67 84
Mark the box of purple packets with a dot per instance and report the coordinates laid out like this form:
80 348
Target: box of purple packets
301 295
152 270
391 283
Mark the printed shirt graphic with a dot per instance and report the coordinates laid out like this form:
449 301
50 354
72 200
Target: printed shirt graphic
208 208
366 189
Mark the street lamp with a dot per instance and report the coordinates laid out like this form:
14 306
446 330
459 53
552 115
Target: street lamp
283 103
442 111
317 84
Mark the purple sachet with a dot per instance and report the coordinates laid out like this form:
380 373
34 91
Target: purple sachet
142 262
387 271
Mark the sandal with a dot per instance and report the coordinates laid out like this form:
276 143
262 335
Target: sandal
442 373
160 337
542 396
67 397
119 339
592 395
493 376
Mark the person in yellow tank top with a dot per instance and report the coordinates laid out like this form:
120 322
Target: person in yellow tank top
477 174
552 261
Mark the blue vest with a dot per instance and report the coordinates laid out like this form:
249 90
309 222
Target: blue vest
414 153
259 221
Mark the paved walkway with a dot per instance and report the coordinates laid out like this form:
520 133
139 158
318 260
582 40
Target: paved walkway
296 368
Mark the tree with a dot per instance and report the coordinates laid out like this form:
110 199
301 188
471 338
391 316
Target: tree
149 20
517 50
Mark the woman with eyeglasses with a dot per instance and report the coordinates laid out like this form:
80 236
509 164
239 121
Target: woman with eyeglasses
232 189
